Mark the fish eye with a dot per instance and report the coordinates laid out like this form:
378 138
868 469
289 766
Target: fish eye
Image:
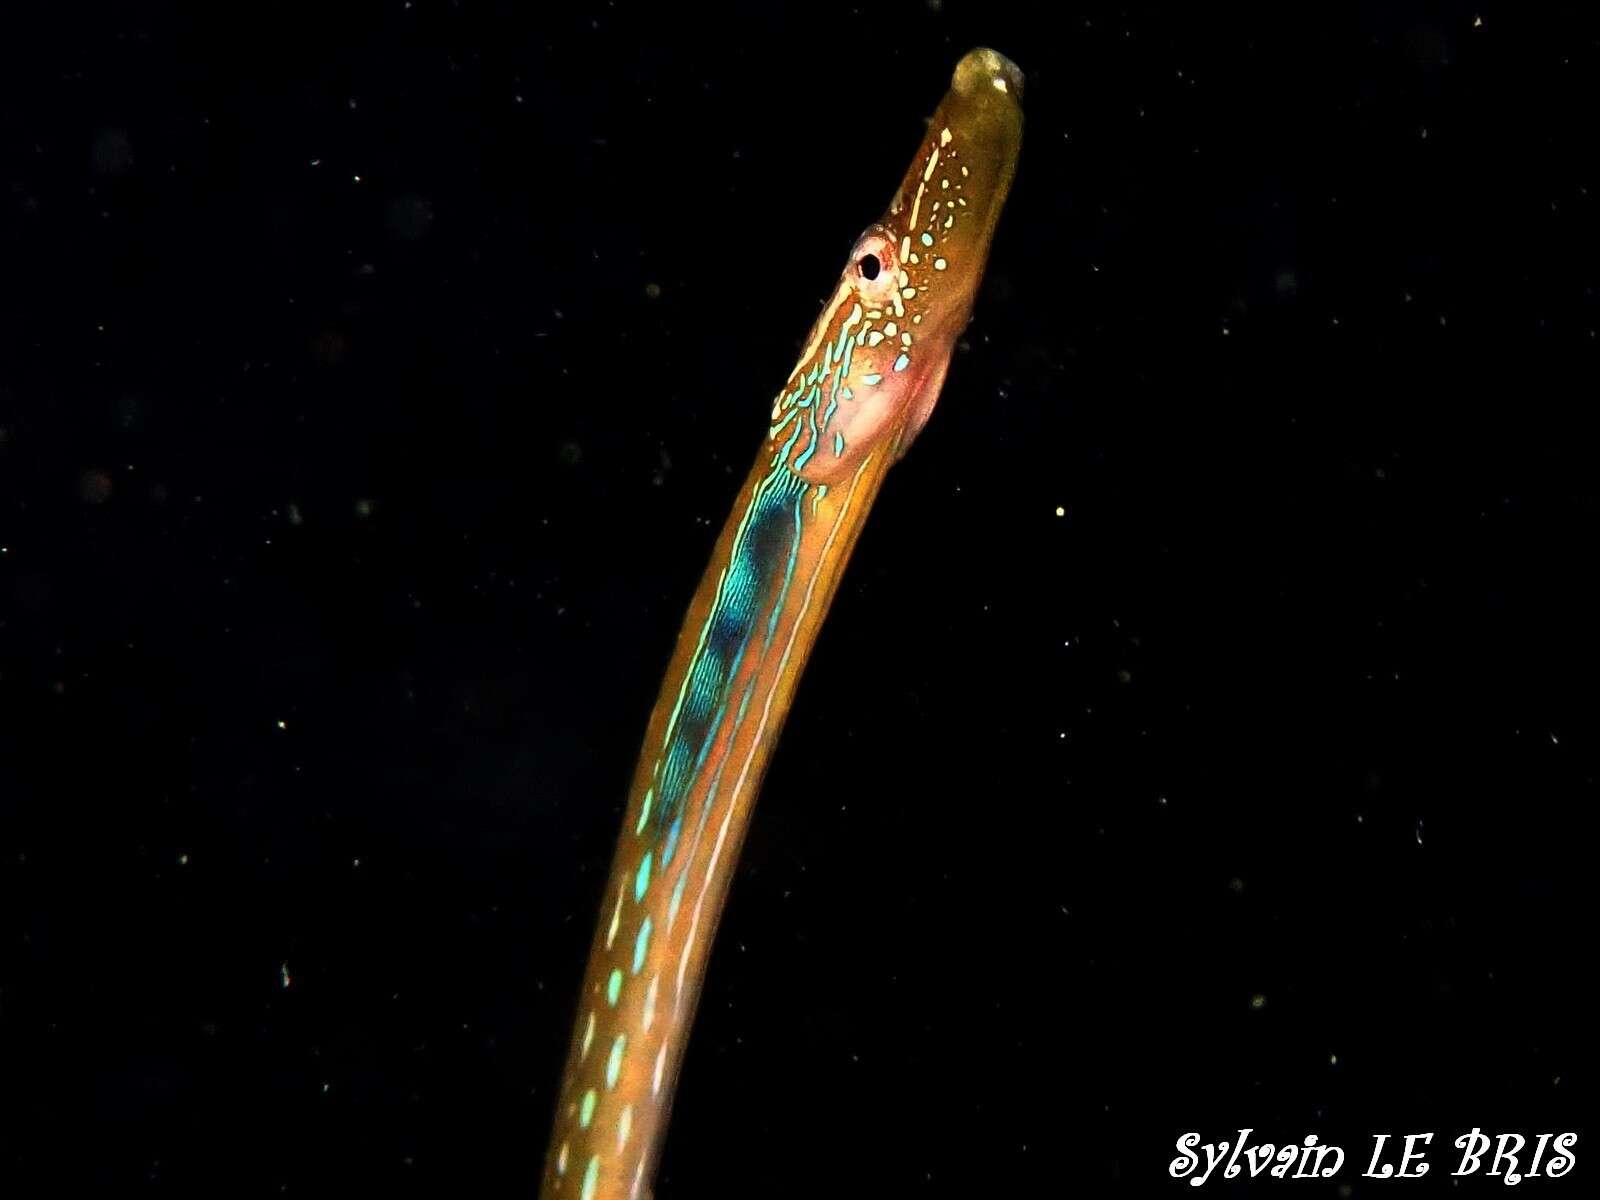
874 265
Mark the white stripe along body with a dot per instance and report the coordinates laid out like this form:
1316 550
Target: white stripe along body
864 386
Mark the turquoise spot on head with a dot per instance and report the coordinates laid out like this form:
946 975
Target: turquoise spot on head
591 1177
614 987
641 881
811 447
614 1063
586 1109
901 362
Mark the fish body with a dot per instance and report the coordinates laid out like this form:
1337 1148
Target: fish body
864 386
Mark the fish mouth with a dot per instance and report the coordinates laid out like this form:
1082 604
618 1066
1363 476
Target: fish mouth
984 70
978 127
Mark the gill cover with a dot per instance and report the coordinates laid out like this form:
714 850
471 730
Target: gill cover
873 366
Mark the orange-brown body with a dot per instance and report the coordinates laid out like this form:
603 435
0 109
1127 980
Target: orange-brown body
865 384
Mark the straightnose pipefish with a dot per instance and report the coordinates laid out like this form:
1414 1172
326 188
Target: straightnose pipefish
865 384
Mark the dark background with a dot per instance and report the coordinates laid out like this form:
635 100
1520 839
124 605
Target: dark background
373 381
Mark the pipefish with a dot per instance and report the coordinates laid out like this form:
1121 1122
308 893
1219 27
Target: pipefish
863 388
